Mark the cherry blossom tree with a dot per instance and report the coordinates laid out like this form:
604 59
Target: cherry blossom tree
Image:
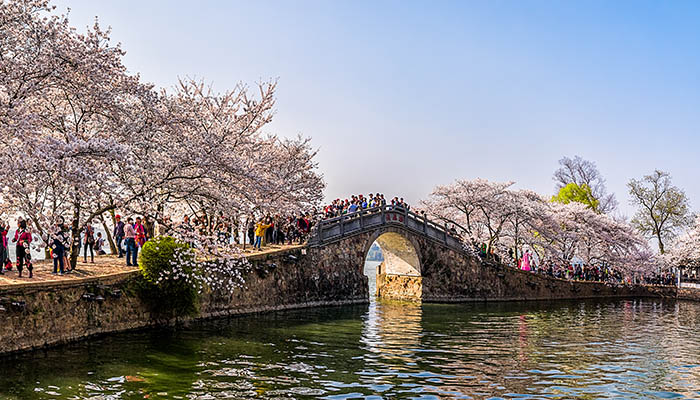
685 249
503 218
478 207
206 156
74 129
82 137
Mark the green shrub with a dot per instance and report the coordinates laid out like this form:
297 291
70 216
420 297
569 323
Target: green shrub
168 286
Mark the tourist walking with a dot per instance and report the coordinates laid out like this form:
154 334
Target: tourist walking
119 234
58 244
131 248
88 242
23 239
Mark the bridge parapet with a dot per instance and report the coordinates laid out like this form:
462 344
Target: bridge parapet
365 220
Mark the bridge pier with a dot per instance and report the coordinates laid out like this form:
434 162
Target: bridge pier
399 287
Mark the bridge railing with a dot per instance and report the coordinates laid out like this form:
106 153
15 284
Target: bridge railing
333 229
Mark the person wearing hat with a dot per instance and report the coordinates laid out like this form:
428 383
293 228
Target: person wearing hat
119 234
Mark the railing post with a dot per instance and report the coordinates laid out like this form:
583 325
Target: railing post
383 216
342 225
445 227
362 221
405 216
425 223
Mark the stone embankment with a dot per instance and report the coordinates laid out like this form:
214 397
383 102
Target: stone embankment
51 313
508 284
691 294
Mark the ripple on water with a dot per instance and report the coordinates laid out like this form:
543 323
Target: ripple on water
620 349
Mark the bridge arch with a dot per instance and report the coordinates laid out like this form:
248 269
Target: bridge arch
400 233
399 276
401 256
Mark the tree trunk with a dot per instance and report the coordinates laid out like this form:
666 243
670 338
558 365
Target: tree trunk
75 237
110 240
661 244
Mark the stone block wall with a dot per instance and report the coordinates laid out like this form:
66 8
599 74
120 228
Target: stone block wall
400 287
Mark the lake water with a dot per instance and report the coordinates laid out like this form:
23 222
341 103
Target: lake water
636 349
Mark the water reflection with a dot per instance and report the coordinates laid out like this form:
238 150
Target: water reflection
622 349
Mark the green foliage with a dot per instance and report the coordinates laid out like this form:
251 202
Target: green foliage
577 193
163 257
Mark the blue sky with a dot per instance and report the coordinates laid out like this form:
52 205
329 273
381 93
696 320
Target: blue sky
400 96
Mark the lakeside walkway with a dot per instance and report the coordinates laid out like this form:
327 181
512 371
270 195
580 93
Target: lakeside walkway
104 266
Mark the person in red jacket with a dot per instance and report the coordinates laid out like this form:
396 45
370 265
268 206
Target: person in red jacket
23 238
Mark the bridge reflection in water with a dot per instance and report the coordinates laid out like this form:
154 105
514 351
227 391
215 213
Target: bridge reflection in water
636 349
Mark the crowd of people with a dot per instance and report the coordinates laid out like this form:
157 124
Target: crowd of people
577 271
130 236
355 203
279 229
58 244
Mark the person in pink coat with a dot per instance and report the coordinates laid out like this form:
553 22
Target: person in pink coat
526 261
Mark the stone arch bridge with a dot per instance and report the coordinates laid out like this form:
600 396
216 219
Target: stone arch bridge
424 262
